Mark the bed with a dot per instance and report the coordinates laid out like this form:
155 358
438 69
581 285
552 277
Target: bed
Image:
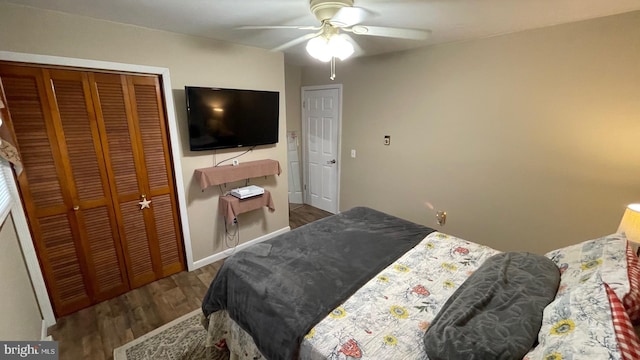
367 285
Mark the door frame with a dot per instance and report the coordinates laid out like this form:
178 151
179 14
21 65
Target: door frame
305 134
292 175
24 235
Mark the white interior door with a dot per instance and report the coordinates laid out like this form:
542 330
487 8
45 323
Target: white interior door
295 188
320 124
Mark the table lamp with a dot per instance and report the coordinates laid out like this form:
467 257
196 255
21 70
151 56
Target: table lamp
630 225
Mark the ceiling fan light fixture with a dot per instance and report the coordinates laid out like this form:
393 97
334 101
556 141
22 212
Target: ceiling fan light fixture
340 47
323 48
318 48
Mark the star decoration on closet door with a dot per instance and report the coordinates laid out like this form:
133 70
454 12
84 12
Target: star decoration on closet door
144 203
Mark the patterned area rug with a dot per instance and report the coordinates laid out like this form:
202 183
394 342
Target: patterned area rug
183 338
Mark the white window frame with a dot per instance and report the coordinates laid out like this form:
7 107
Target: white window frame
6 199
11 205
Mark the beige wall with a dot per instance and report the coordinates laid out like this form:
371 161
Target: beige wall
529 141
293 78
191 61
19 310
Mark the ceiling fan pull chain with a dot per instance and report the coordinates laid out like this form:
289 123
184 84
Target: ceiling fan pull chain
333 68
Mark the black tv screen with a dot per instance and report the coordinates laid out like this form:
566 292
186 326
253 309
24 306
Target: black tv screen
226 118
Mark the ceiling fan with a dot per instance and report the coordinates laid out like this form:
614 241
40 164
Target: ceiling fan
329 40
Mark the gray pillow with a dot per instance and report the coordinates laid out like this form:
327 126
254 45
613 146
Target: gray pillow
497 312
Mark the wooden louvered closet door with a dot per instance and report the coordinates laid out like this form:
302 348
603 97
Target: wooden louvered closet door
138 157
64 185
88 158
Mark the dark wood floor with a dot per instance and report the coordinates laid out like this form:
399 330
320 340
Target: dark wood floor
94 332
304 214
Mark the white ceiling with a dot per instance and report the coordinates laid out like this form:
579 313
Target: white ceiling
448 20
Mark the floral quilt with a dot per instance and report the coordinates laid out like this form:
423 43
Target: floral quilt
387 317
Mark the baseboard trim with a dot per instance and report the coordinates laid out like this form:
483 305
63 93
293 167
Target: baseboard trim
44 332
226 253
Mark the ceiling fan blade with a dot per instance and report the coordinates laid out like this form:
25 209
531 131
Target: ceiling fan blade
296 41
272 27
349 16
412 34
357 50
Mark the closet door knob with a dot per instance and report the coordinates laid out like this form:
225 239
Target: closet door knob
76 208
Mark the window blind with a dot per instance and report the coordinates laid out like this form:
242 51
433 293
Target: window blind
6 200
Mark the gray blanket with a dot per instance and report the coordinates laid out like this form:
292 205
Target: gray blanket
497 312
279 289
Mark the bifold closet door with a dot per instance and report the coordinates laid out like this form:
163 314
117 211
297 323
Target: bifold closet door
162 221
130 110
94 146
64 185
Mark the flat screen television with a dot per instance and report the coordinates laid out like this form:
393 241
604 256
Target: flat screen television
228 118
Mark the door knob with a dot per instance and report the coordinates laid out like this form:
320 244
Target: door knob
331 161
76 208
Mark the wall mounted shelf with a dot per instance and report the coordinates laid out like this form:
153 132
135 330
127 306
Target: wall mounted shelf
231 206
217 175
